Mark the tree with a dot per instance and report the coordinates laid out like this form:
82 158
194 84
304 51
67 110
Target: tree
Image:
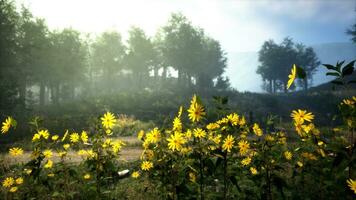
140 55
32 54
277 60
108 54
8 46
67 66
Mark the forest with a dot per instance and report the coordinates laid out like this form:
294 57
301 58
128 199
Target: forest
127 115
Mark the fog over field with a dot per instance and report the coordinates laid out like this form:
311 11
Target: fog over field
240 26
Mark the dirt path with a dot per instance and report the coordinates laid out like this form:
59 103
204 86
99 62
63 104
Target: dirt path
131 151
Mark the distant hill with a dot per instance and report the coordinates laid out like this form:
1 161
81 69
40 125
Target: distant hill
242 65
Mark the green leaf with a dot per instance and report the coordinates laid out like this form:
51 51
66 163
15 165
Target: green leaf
301 73
348 69
333 74
234 181
328 66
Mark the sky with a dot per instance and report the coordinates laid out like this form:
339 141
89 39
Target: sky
239 25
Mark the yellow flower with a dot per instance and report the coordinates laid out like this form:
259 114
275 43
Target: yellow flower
257 130
146 165
195 111
246 161
300 164
188 134
212 126
36 137
55 137
192 177
6 125
199 133
19 181
116 146
153 136
253 170
13 189
107 143
309 156
292 76
228 143
66 146
135 174
216 139
74 137
44 134
176 141
352 185
242 121
244 146
62 154
49 164
84 136
8 182
108 120
47 153
15 151
86 176
28 171
269 138
288 155
140 134
82 152
50 175
301 116
177 124
233 118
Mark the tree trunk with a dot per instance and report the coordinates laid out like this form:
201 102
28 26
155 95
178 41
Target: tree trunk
22 93
270 86
42 93
305 84
274 87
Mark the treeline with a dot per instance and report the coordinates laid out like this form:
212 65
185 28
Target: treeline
43 66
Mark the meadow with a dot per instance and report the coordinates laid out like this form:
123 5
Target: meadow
190 157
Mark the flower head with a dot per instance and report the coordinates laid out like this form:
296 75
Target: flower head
301 116
49 164
108 120
195 111
246 161
244 146
135 174
74 137
292 76
13 189
176 141
47 153
199 133
8 182
87 176
257 130
146 165
19 181
288 155
6 125
55 137
15 151
253 170
352 185
84 136
228 143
